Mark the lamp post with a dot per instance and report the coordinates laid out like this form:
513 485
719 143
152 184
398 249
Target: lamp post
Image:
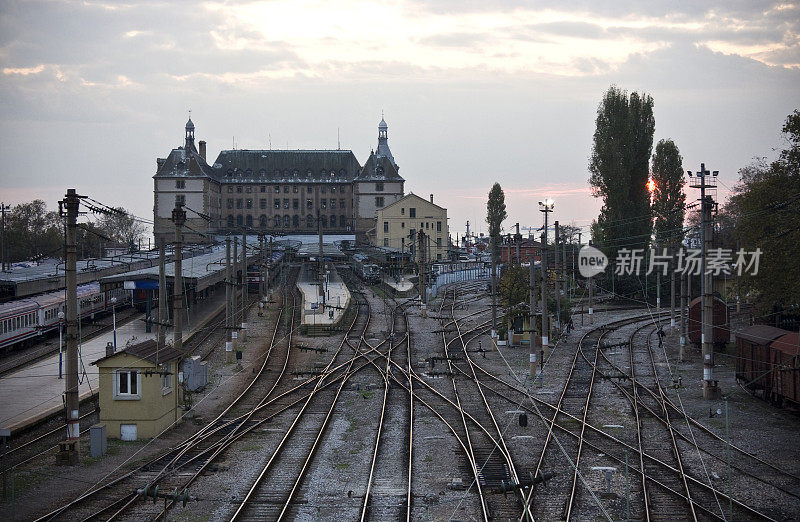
60 349
114 320
546 207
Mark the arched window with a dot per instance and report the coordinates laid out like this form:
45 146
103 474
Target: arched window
249 221
308 174
296 221
239 220
262 221
342 221
276 221
309 221
230 221
287 221
248 173
324 220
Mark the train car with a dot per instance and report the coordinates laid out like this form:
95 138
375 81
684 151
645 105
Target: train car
25 319
752 356
368 272
720 333
784 357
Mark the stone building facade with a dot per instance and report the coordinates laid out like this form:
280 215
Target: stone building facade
273 191
399 223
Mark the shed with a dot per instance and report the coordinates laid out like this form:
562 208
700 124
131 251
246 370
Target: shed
138 390
752 354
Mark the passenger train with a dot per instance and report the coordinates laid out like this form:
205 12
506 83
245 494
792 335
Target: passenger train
368 272
26 319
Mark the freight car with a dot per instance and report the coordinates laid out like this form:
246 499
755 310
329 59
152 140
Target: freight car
720 333
752 356
768 363
23 320
785 360
370 273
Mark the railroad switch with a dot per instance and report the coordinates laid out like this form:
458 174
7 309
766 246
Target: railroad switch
175 496
440 374
509 486
618 376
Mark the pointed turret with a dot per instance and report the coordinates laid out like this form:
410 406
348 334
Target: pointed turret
189 145
383 143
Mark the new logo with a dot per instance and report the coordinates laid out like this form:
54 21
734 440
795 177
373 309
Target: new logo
591 261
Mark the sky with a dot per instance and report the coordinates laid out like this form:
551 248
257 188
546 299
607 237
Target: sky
92 92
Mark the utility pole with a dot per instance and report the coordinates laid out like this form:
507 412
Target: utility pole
682 317
235 292
244 285
321 263
262 272
710 388
671 295
557 272
179 218
546 207
518 240
163 314
421 261
71 451
493 335
228 299
590 282
3 208
532 325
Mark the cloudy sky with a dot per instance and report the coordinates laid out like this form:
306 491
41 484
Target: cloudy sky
91 92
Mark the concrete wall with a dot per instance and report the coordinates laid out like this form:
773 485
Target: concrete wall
152 413
365 194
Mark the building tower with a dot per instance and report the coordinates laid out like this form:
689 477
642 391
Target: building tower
383 143
189 145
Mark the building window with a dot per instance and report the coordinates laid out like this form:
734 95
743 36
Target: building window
295 204
426 225
262 204
239 203
277 204
412 212
248 189
386 227
286 203
249 221
309 221
249 203
230 221
277 189
286 189
379 186
180 183
263 188
128 384
230 203
324 221
166 379
296 221
239 220
180 199
343 189
333 189
323 203
386 241
439 242
230 189
276 221
343 221
333 204
309 189
239 189
438 226
322 189
403 211
402 224
294 189
262 221
287 221
379 202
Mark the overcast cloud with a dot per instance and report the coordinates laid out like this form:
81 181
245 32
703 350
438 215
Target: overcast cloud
474 92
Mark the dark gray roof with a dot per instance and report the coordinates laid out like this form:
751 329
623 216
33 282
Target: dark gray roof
760 334
147 350
286 165
378 168
184 162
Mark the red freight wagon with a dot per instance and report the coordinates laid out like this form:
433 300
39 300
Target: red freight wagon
719 333
752 356
785 357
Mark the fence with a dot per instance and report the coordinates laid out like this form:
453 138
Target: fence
470 274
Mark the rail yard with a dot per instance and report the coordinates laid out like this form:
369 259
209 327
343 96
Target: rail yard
407 412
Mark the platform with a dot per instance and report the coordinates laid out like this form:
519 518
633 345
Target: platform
403 285
36 392
337 298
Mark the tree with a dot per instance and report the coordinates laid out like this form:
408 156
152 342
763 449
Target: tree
764 208
619 166
513 291
495 214
32 232
122 227
668 197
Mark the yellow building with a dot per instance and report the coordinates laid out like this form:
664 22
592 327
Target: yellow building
399 223
138 393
